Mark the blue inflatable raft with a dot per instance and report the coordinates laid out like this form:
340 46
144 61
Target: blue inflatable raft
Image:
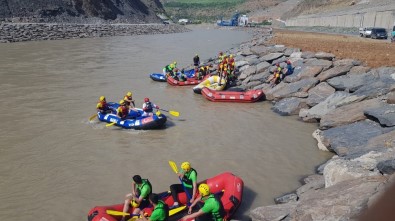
135 120
162 78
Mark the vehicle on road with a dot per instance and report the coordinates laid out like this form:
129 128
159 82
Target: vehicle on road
365 32
393 34
379 33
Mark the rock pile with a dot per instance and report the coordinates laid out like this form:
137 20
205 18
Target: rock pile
354 107
17 32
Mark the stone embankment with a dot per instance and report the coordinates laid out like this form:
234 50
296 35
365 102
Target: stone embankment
17 32
354 106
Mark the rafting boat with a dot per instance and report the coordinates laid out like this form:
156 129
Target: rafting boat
135 120
232 96
188 81
225 186
212 82
162 78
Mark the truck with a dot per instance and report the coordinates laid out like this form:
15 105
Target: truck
232 22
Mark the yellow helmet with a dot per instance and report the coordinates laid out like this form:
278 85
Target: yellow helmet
102 98
175 62
204 189
279 69
129 94
134 204
185 166
121 102
231 56
172 65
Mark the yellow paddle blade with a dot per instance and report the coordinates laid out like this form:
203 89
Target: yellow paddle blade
176 210
92 117
116 213
110 124
173 165
134 218
174 113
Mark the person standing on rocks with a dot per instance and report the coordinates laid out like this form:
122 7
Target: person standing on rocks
196 61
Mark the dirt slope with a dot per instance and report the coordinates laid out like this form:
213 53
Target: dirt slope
374 53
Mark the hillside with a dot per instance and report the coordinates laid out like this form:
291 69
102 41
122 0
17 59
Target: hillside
133 11
212 10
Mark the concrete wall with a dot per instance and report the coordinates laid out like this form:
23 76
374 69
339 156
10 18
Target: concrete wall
384 19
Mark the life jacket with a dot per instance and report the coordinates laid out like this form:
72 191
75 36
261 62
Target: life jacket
126 98
148 107
103 106
186 178
122 111
145 182
219 214
168 68
163 206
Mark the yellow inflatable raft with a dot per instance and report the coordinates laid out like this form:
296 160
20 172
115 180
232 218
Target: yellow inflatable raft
212 83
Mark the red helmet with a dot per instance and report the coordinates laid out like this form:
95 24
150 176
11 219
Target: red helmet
278 64
288 62
146 99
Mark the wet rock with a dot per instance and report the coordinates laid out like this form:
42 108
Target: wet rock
351 82
346 138
289 89
325 56
346 62
272 213
290 197
289 106
333 72
348 114
319 93
385 114
313 182
272 56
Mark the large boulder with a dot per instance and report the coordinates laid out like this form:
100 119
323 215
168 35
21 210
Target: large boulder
348 114
289 106
351 82
271 57
333 72
348 138
302 72
288 90
384 114
325 56
319 93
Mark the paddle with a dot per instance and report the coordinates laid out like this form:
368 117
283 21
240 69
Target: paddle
92 117
110 124
119 213
172 112
176 210
173 165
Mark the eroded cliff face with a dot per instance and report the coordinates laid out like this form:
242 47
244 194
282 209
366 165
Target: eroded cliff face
134 11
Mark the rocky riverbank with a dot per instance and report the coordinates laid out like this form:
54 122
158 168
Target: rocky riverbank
354 106
17 32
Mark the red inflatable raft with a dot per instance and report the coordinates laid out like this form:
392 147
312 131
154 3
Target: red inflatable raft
226 186
189 81
232 96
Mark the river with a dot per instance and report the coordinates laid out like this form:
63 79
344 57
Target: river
56 165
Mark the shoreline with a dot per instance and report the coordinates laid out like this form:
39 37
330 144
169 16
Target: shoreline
20 32
354 107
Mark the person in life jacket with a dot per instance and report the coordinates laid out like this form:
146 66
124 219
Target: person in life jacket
129 100
211 210
168 69
188 176
182 77
122 110
160 212
102 106
138 198
148 107
196 60
198 73
289 70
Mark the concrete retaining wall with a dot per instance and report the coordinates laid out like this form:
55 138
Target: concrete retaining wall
384 19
